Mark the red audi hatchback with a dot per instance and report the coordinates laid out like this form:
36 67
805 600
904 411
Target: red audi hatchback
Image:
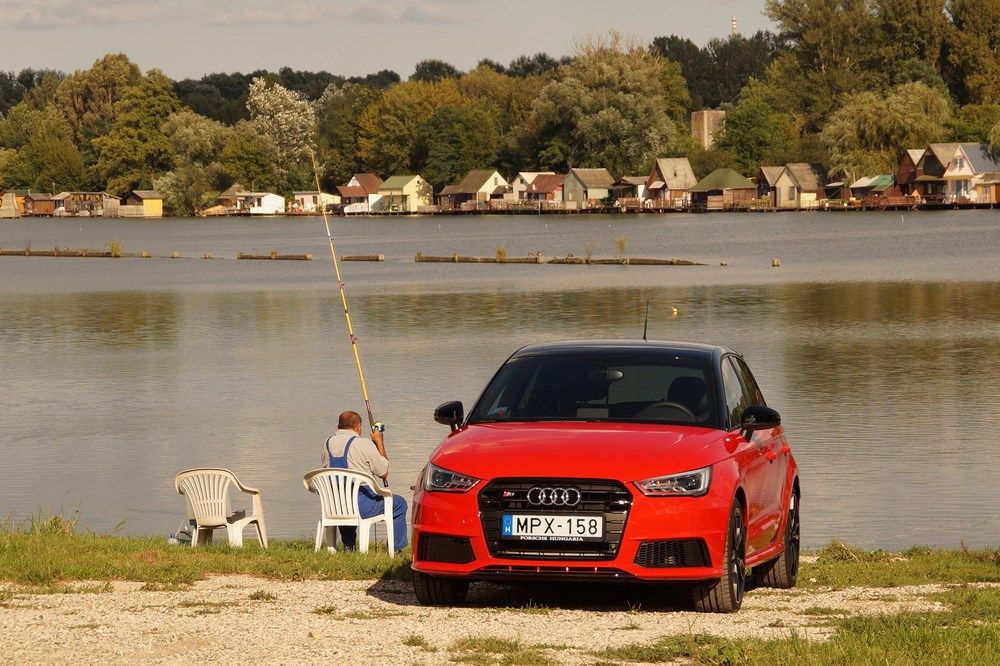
617 460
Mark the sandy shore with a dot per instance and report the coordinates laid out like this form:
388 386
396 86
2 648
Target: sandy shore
237 618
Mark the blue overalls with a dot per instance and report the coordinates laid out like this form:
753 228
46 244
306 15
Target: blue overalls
370 503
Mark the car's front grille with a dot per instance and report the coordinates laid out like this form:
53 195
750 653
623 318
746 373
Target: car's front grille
609 499
672 553
447 549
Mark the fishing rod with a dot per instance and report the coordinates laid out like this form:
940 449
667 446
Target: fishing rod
375 425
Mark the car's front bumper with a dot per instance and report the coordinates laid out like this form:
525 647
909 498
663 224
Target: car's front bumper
691 522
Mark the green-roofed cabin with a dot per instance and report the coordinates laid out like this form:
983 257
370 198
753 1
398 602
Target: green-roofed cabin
404 194
721 189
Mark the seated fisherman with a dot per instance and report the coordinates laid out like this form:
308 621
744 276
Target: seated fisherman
347 449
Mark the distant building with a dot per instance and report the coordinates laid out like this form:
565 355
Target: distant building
721 189
546 187
629 187
479 185
705 125
360 194
260 203
906 172
586 188
8 205
670 181
882 185
800 185
404 194
39 204
519 186
313 201
973 174
85 204
142 203
929 176
767 179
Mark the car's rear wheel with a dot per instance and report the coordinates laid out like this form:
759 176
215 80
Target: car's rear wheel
726 594
435 591
783 571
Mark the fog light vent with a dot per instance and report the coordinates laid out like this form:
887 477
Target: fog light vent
672 553
450 550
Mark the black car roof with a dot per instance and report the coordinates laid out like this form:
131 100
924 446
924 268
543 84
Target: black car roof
652 347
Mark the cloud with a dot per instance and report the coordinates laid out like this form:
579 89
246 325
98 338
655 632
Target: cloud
301 12
42 14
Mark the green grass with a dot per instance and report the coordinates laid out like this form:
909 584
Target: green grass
495 652
841 566
43 552
967 633
415 640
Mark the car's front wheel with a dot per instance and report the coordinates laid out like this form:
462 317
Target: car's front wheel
726 594
435 591
783 571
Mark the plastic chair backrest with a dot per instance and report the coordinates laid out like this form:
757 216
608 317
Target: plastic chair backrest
207 492
338 491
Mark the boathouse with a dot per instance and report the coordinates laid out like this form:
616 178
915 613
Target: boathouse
360 194
404 194
39 204
313 201
142 203
973 175
546 187
800 185
586 188
721 189
670 181
522 181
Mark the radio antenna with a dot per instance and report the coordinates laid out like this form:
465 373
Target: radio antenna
645 322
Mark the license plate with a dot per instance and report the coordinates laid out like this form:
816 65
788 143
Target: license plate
552 528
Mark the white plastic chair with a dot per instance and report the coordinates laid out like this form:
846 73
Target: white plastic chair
338 498
207 493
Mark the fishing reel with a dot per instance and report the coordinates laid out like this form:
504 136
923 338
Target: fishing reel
378 425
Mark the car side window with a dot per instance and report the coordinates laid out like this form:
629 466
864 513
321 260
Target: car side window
749 383
736 398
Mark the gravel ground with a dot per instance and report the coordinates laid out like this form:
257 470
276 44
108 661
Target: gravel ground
243 619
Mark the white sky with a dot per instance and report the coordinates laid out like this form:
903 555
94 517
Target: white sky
350 37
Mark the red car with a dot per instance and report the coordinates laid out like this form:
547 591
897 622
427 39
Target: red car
618 460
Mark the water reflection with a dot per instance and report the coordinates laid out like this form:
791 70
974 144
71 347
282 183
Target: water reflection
887 389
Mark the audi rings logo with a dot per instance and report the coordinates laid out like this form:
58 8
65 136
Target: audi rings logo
547 496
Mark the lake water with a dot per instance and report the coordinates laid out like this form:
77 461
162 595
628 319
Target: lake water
878 340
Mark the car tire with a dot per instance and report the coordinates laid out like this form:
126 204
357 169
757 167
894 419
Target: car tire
783 571
435 591
726 594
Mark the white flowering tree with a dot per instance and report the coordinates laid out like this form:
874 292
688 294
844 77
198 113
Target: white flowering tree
285 118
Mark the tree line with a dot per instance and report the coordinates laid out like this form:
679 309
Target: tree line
848 83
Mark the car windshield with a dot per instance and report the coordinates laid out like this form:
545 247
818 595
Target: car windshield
600 388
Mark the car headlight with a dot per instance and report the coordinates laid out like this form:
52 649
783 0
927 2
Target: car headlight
693 483
437 479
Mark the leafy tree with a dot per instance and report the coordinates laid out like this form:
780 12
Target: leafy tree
456 139
196 140
611 106
89 98
832 51
513 96
136 150
250 157
492 64
993 141
974 122
534 65
974 50
718 72
382 79
339 113
431 71
387 130
39 150
287 120
755 133
866 135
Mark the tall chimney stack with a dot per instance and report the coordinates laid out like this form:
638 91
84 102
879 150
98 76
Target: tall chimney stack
736 27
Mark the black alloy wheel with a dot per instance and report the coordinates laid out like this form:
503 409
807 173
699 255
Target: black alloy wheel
783 571
726 594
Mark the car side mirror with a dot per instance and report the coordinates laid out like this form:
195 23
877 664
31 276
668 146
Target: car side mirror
759 417
450 414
